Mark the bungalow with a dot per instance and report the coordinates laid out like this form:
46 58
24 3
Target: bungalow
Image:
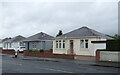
4 46
82 41
39 41
13 43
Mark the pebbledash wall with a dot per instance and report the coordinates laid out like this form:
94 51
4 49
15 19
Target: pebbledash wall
112 56
90 51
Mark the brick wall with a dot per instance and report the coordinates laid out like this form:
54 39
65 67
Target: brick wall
48 54
7 51
97 55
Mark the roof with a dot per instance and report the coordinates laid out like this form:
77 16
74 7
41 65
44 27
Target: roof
16 39
5 39
39 36
83 32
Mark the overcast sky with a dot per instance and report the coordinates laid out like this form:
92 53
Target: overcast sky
28 18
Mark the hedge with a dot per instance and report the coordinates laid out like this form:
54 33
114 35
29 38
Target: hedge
113 45
101 49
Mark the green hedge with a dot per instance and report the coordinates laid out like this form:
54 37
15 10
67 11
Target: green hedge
113 45
101 49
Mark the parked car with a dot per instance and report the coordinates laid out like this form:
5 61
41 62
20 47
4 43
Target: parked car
21 48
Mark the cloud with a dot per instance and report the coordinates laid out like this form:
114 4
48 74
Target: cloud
27 18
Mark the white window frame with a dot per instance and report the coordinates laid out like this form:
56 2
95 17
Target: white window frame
85 44
57 44
10 45
81 43
60 44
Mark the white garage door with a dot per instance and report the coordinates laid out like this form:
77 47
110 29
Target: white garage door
99 46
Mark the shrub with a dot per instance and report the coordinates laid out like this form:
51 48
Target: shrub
101 49
41 50
30 50
35 50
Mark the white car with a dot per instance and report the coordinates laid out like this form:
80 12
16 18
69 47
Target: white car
21 48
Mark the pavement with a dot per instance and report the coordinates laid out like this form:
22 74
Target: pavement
78 62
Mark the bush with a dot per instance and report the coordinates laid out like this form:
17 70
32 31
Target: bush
41 50
35 50
101 49
1 48
30 50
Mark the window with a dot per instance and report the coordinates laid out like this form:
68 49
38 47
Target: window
63 43
83 43
59 44
86 43
5 45
34 45
56 44
22 44
10 45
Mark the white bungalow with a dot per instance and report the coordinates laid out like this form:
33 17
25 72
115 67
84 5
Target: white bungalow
82 41
13 43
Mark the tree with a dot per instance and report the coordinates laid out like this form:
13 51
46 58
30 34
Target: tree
60 33
116 36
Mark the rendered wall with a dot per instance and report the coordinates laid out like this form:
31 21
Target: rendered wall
77 50
110 56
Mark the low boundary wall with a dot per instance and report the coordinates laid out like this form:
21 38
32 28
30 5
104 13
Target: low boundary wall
112 56
7 51
48 54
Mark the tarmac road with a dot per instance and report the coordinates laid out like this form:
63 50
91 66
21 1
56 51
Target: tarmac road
15 65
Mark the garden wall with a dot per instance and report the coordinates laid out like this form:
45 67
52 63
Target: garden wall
7 51
112 56
48 54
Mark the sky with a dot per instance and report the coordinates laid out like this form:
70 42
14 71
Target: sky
29 18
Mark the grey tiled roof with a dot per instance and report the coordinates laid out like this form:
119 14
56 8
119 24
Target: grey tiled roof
39 36
5 39
16 39
83 32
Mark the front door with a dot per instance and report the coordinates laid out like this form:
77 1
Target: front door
71 46
28 46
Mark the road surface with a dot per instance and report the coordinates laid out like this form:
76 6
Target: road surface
15 65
